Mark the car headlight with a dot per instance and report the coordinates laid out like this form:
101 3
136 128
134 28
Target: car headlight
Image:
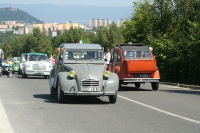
72 74
107 74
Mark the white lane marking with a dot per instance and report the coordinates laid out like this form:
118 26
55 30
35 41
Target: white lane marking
160 110
5 126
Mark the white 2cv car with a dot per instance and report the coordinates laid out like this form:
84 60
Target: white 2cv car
82 72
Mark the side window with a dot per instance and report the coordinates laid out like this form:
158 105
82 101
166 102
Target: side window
115 56
118 56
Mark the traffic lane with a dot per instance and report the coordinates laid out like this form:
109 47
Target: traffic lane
36 111
180 101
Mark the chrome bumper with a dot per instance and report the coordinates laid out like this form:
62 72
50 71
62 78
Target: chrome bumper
89 93
140 80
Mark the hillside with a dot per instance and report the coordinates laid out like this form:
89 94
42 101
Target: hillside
10 13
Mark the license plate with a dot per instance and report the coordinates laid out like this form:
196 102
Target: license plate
38 71
143 75
90 89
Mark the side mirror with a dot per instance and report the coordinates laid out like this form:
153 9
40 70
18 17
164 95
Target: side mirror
105 59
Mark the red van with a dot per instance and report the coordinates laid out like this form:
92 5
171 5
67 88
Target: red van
134 63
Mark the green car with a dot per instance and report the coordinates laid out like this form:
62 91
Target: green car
15 66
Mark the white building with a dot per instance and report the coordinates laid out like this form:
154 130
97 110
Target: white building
120 22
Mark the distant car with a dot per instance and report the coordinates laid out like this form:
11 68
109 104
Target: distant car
15 66
82 72
35 64
134 63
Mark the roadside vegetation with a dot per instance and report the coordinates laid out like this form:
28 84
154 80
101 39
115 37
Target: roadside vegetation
171 27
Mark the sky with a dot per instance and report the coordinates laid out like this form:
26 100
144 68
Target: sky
119 3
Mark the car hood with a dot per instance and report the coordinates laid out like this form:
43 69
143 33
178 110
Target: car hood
87 71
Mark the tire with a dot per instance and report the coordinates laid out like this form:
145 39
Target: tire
61 96
155 85
113 98
46 77
137 85
10 75
24 75
120 84
19 72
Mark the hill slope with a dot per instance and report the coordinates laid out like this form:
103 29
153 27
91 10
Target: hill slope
17 15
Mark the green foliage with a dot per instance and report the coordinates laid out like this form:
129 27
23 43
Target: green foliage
171 27
19 16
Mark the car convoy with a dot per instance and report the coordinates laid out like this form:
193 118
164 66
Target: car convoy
82 71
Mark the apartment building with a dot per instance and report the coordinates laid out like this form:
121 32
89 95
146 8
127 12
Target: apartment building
120 22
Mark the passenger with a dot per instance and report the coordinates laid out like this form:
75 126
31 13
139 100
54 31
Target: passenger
30 58
131 54
142 55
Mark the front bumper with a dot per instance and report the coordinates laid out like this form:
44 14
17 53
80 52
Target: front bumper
140 80
89 93
31 72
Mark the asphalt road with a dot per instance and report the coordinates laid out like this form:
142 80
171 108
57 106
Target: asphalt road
27 107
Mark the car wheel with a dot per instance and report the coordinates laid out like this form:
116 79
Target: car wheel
19 72
24 75
137 85
113 98
46 77
120 84
10 75
155 85
61 96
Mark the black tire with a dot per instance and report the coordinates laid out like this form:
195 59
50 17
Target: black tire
155 85
120 84
24 75
137 85
113 98
61 96
19 72
10 75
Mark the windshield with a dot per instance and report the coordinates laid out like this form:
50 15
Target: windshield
83 55
37 57
17 58
134 54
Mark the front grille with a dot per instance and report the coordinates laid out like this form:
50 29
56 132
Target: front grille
89 82
39 67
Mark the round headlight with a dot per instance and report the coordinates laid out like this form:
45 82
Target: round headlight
72 74
107 74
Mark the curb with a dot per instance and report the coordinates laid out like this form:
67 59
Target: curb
193 87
